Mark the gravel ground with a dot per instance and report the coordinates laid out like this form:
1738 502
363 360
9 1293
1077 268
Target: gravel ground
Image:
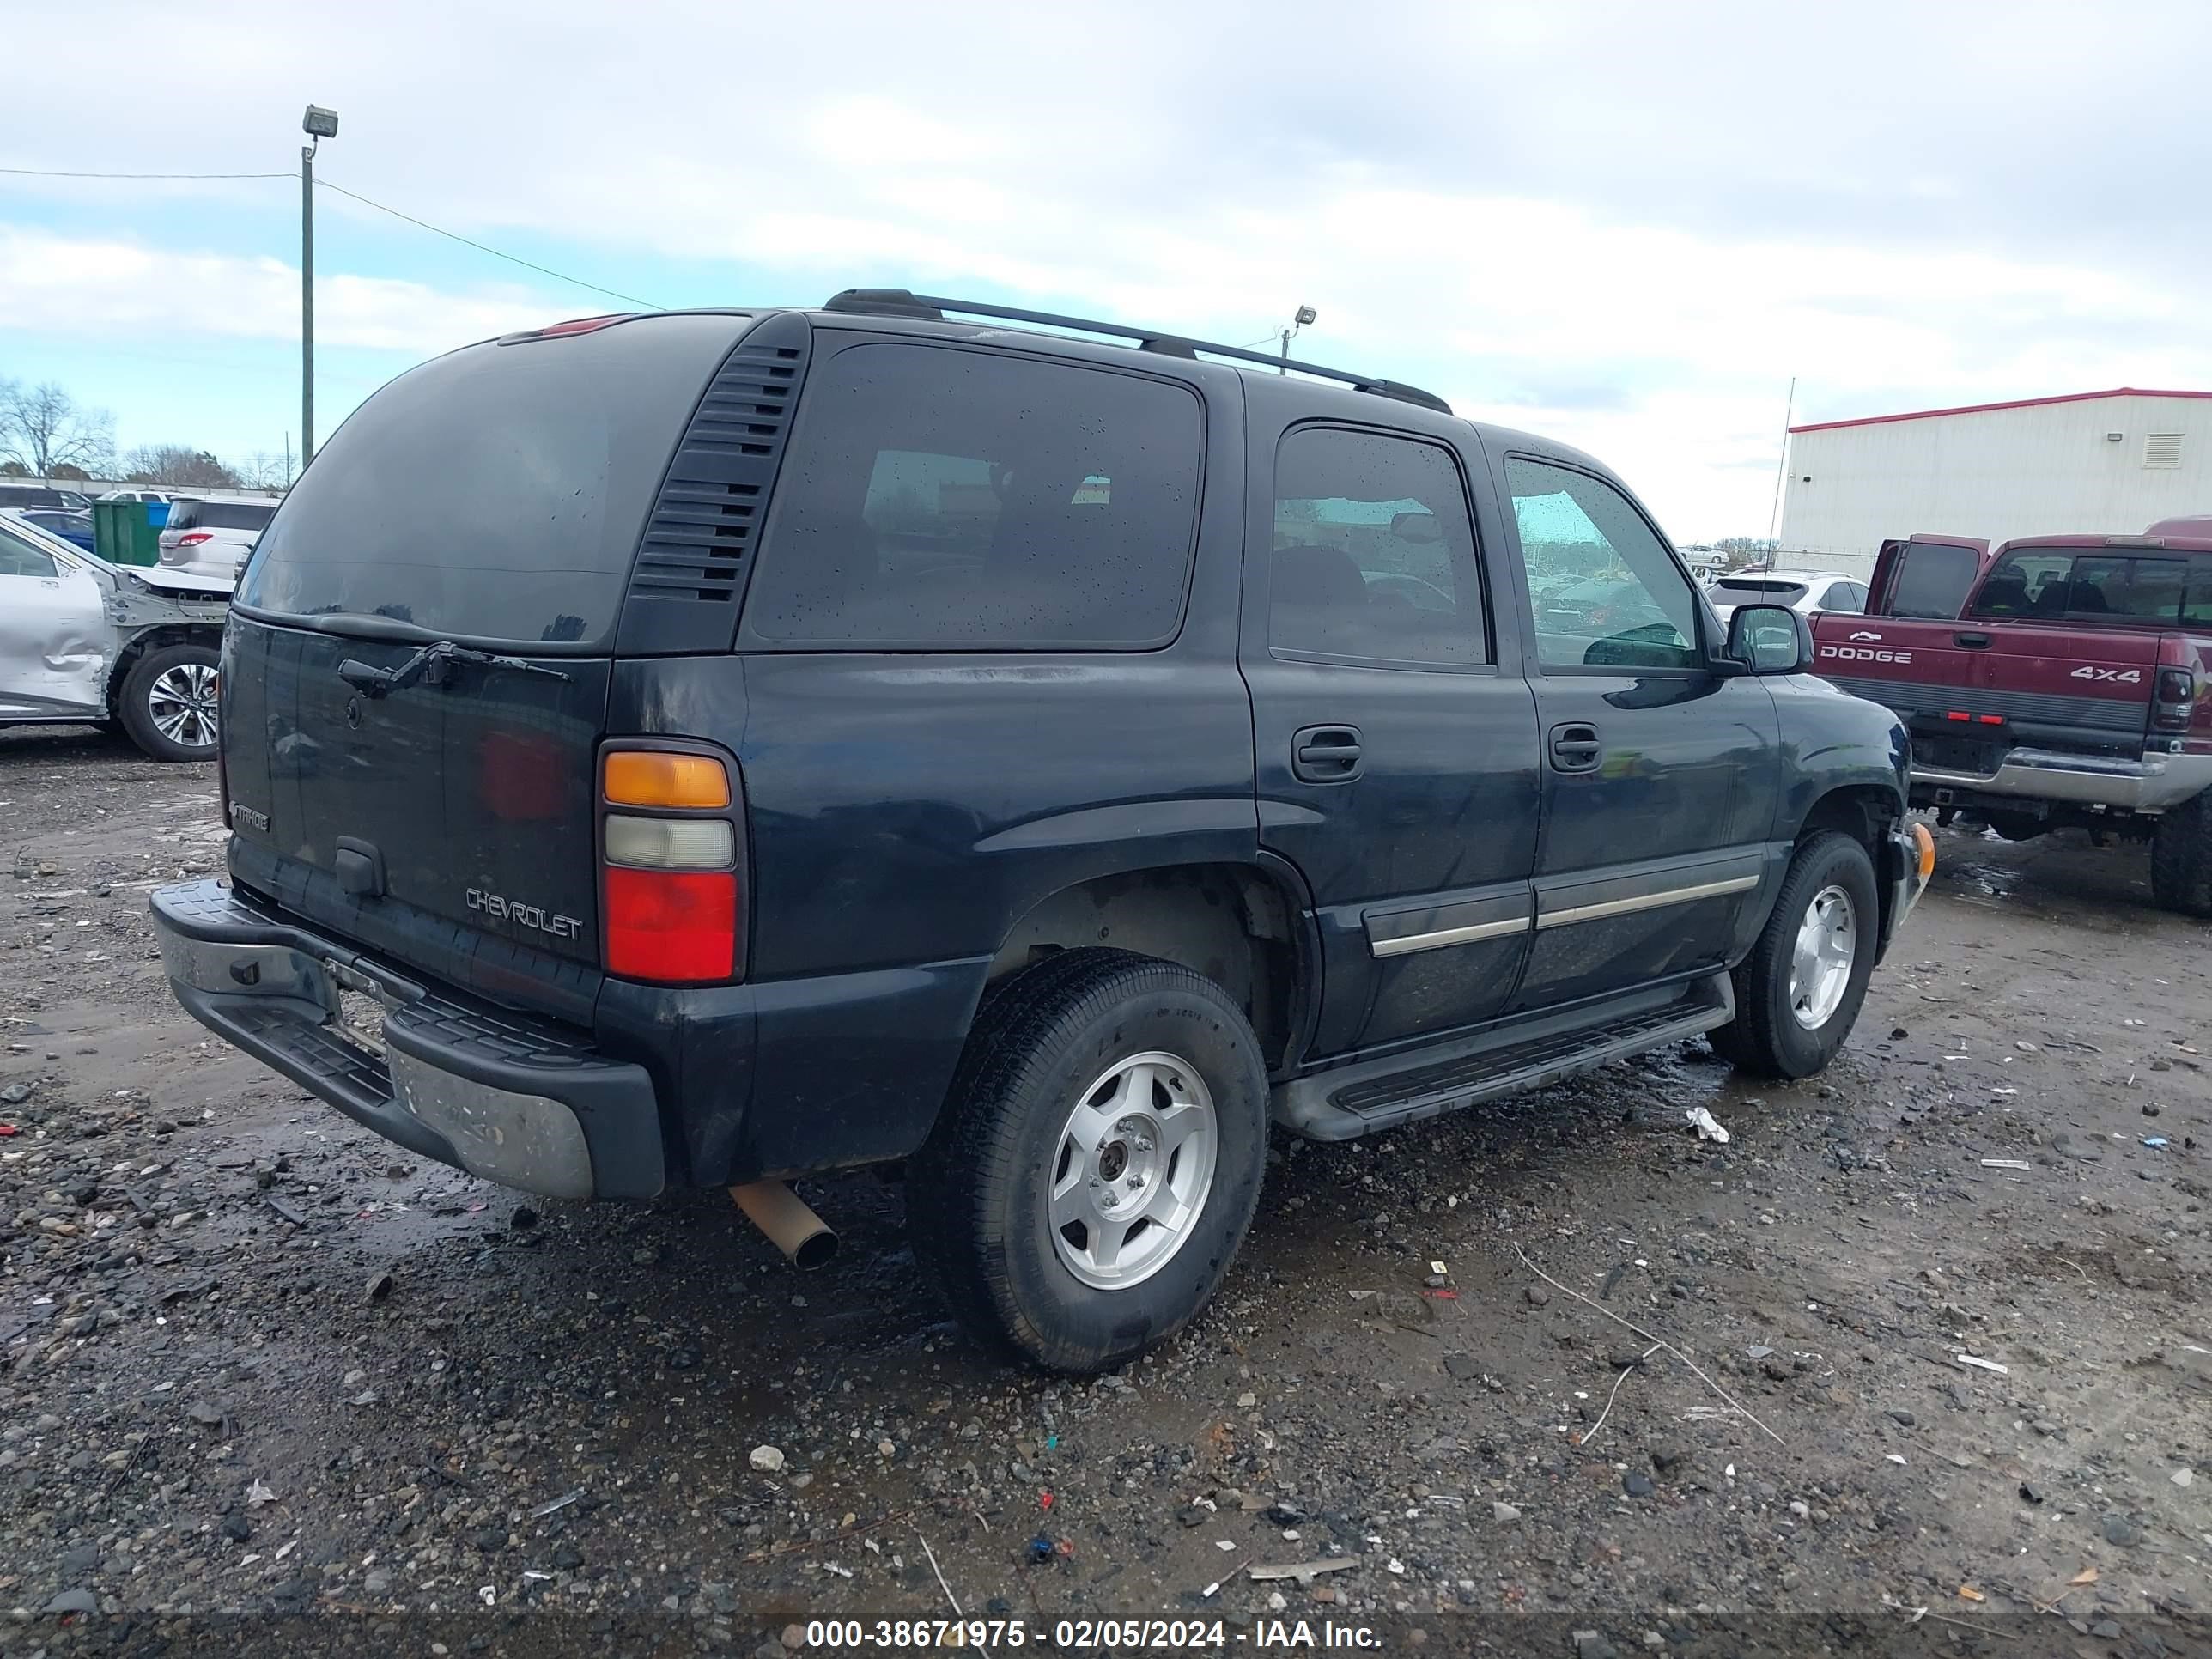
271 1383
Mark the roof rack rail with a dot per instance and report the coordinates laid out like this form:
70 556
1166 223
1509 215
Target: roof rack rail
898 302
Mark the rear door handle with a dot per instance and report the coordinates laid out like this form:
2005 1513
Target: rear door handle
1576 747
1325 754
1972 641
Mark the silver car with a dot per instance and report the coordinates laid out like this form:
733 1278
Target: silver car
85 641
212 538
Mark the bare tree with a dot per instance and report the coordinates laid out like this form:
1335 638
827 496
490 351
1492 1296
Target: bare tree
42 427
177 465
262 471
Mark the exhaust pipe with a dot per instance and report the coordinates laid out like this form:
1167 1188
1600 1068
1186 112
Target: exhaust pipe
803 1236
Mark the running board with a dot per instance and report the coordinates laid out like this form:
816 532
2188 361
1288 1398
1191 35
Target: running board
1380 1094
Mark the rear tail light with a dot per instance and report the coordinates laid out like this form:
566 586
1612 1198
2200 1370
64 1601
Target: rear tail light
644 777
669 867
670 843
194 538
2176 700
671 928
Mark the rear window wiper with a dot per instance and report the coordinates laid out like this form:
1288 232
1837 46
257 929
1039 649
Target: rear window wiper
431 665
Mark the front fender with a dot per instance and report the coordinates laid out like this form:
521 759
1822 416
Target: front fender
1832 741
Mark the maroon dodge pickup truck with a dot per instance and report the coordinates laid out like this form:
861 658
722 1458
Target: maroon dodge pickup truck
2061 680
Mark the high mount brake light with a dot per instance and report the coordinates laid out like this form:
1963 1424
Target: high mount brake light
563 330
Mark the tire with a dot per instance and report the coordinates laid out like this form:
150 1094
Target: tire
1076 1075
167 702
1790 1020
2181 857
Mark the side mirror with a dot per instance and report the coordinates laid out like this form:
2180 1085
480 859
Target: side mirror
1770 639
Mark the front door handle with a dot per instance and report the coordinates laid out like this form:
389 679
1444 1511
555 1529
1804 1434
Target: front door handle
1576 747
1972 641
1325 754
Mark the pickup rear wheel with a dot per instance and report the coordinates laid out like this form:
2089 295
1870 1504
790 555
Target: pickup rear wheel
1097 1159
1798 994
2181 857
167 702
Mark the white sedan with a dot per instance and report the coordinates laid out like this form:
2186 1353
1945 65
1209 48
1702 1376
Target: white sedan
1803 591
84 641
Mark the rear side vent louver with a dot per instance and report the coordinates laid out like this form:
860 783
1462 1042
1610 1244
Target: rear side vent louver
698 544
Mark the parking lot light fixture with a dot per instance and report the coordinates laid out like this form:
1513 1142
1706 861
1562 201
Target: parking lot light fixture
317 124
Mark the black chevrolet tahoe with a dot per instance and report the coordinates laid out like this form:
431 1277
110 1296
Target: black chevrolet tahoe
716 747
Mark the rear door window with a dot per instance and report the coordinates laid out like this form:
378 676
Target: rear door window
19 558
1373 555
948 498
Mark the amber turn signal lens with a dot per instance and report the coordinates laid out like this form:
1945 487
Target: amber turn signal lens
636 777
1927 850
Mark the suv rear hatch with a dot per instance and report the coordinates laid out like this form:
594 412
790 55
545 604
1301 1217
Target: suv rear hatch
190 525
416 669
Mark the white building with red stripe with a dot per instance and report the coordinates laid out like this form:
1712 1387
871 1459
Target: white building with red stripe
2106 463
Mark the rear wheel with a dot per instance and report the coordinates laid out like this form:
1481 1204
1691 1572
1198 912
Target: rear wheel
2181 857
167 702
1798 993
1098 1160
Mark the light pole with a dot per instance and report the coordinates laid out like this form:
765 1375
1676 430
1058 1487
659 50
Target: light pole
1303 315
317 124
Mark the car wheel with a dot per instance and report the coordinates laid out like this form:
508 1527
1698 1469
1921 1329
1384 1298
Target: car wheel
1097 1159
167 703
1798 994
2181 857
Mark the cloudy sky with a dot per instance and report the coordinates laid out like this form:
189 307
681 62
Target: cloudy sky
1627 226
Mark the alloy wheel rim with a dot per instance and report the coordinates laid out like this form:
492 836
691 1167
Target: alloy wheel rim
1821 959
182 704
1132 1169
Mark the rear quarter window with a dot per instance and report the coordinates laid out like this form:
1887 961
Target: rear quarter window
941 498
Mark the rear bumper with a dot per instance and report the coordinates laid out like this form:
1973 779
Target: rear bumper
2149 785
527 1103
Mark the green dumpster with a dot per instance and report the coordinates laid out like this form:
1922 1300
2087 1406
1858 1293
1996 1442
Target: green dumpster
122 534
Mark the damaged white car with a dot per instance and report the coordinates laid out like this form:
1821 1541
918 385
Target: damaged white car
83 641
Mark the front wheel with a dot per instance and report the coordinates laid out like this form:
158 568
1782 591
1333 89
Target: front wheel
167 702
1097 1159
1798 993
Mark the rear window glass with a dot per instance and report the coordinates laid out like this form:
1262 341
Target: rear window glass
938 497
496 493
2084 587
1742 591
221 515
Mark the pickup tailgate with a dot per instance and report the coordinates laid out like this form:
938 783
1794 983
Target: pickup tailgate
1969 691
